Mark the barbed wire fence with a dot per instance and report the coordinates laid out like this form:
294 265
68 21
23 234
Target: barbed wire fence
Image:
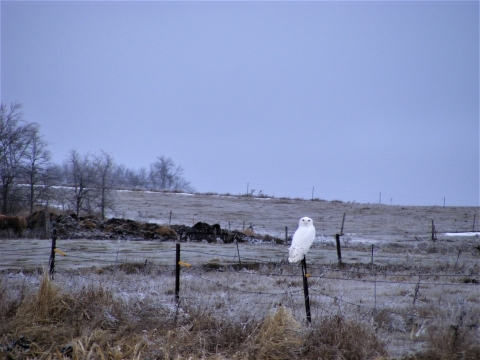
256 283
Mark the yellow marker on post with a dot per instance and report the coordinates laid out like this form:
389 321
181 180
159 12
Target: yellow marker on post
60 252
181 263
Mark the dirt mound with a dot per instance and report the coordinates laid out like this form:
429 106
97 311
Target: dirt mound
90 227
214 233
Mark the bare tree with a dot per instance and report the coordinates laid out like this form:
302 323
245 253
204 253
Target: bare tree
37 159
136 179
104 166
81 175
164 175
55 187
15 139
118 176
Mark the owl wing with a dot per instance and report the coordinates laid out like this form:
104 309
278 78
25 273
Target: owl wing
295 254
301 242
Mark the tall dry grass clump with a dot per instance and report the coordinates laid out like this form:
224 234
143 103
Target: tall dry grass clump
339 338
200 334
88 324
39 314
279 337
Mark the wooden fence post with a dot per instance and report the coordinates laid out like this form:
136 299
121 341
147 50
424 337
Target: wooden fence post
339 250
177 273
286 234
305 290
434 231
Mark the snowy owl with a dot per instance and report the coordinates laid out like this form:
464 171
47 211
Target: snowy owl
302 240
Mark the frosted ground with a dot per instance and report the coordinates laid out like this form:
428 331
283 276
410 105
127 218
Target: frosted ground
414 286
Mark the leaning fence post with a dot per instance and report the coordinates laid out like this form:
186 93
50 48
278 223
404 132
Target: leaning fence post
177 272
52 253
339 250
305 290
343 222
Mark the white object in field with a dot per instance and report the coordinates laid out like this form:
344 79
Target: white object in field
302 240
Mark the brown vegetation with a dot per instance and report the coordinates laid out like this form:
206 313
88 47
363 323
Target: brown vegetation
93 323
16 223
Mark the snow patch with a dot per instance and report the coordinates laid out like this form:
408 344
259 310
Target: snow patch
468 233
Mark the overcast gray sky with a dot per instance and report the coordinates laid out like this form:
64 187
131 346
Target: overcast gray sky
351 98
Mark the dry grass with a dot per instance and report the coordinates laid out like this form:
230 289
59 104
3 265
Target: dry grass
78 318
338 338
453 336
52 321
93 323
167 232
280 337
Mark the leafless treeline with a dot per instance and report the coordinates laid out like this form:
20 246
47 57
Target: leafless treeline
83 183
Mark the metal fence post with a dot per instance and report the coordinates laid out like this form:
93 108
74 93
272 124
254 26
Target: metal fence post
52 253
305 290
177 272
339 250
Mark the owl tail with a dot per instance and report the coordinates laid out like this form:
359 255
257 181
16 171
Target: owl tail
295 255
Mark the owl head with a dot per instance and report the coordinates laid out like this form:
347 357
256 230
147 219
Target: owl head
305 221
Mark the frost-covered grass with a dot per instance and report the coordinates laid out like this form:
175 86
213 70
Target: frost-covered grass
254 310
114 299
136 317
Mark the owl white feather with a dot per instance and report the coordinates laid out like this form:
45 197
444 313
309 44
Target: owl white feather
302 240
